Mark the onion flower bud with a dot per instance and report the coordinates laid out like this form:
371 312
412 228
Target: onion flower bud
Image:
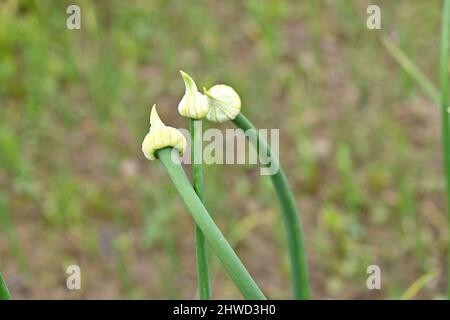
161 136
194 104
224 103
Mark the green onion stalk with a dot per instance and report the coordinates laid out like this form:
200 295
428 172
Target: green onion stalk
445 127
224 105
159 143
216 240
291 216
440 97
197 179
194 106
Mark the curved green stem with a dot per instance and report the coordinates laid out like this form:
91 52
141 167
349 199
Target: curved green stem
445 114
197 177
291 217
217 241
4 293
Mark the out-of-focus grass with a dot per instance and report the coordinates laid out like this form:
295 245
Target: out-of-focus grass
360 145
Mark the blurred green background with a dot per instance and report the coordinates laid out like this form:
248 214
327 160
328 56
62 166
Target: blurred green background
360 145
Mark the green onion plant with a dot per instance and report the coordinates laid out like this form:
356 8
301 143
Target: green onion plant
194 106
291 217
439 97
445 126
160 143
224 105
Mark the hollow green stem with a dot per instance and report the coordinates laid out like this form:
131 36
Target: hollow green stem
4 293
443 66
197 178
291 217
216 240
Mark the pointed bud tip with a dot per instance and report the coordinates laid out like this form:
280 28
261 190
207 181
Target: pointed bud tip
155 120
188 81
153 114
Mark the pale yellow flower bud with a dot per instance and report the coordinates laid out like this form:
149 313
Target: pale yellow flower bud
194 104
224 103
161 136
